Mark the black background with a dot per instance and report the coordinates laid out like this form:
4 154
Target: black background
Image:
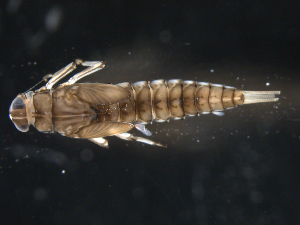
242 168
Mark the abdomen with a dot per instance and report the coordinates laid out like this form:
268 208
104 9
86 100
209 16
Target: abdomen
160 100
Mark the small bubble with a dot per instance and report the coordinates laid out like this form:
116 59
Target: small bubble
212 70
63 171
267 84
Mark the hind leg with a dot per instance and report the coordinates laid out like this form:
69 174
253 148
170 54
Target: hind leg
130 137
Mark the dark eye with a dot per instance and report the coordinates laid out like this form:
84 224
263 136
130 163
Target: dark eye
18 103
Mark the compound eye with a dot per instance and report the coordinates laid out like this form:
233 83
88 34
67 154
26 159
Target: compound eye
18 104
17 113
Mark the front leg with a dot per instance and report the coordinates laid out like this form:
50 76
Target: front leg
57 76
93 67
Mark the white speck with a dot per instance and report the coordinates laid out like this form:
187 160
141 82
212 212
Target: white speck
237 78
63 171
129 53
212 70
267 84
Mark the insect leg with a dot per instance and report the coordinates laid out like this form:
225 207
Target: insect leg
130 137
92 68
100 141
59 75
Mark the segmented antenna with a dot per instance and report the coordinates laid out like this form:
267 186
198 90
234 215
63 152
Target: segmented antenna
260 96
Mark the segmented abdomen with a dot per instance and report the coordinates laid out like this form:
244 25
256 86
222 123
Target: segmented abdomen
160 100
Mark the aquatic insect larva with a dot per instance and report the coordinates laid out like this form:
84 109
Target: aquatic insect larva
93 110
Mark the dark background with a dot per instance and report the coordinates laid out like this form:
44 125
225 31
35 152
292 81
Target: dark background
242 168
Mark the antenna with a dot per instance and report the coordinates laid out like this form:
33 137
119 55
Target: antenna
45 79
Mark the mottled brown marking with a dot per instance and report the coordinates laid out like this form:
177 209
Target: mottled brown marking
188 98
215 98
160 100
127 107
202 98
175 99
143 102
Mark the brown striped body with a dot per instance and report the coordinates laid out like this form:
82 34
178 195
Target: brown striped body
94 110
160 100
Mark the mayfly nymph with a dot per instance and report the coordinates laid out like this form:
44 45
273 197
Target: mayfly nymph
94 110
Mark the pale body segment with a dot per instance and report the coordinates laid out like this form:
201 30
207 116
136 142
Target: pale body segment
93 110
